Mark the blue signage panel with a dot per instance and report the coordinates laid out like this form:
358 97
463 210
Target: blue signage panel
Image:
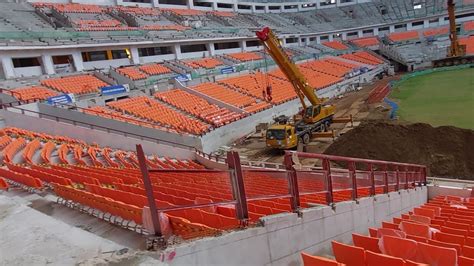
61 99
227 70
115 89
183 77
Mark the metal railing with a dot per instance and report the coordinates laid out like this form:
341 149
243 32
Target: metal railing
295 181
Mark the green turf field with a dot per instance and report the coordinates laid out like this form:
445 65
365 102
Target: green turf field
441 98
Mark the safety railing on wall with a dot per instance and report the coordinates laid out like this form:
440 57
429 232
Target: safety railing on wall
252 190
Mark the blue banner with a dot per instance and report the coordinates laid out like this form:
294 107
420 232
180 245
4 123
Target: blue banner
115 89
227 70
61 99
183 77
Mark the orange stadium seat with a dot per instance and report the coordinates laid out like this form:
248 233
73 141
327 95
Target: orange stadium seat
309 260
32 93
79 84
155 69
365 42
337 45
132 72
208 63
245 56
198 107
403 36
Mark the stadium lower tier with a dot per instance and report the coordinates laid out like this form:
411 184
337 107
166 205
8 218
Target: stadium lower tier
440 232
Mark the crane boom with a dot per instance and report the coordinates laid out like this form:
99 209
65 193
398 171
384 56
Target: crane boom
291 71
455 48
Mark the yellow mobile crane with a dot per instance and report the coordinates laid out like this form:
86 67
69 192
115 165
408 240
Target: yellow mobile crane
456 52
455 49
316 117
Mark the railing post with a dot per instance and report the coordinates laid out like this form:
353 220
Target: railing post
238 187
149 191
385 179
406 176
327 172
397 173
352 176
292 182
372 179
424 175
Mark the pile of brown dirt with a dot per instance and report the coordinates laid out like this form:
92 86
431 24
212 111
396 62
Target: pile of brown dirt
447 151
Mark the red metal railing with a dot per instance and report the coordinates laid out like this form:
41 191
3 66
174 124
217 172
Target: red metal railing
336 178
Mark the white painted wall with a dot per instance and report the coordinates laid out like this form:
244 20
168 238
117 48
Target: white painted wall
283 237
28 71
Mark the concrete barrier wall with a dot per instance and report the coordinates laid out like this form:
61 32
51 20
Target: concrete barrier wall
283 237
88 135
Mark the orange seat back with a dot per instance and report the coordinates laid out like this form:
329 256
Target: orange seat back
309 260
375 259
350 255
366 242
415 229
434 255
399 247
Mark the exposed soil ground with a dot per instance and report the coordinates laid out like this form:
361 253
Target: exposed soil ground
352 103
446 150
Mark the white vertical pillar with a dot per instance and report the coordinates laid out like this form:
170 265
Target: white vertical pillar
318 39
48 65
344 36
8 68
177 51
267 9
376 31
210 49
360 33
214 5
409 26
426 23
391 28
331 37
190 4
135 55
78 63
243 45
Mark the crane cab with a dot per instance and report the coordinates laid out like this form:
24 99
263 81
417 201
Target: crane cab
315 113
281 136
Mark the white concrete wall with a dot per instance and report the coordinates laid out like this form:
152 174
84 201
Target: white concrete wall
284 236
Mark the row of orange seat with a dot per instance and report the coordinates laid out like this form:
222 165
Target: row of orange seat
157 27
32 93
404 36
138 10
208 63
469 42
78 84
87 23
436 31
366 41
197 106
154 111
363 57
336 45
255 84
155 69
132 72
245 56
329 67
440 232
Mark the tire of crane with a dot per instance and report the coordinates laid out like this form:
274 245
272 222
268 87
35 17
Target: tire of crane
305 138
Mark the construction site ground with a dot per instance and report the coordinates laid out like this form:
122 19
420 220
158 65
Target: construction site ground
349 104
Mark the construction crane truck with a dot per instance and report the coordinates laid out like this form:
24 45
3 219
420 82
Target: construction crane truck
315 117
456 52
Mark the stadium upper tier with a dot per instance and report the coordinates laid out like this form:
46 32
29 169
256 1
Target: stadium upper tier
56 24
